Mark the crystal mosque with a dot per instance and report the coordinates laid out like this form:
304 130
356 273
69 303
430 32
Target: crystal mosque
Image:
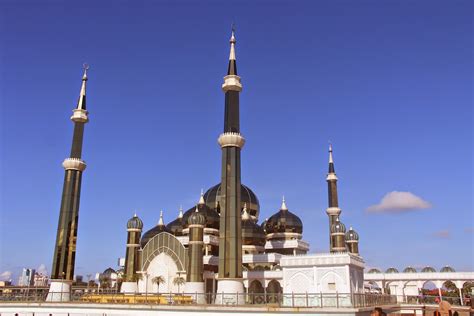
219 247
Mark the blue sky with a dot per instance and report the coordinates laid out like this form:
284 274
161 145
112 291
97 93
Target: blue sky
388 82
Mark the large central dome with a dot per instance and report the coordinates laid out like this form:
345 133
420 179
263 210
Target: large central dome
247 196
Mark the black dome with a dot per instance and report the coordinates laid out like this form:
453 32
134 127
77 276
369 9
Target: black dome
159 228
212 218
135 222
284 222
252 233
176 227
352 235
196 218
447 269
213 195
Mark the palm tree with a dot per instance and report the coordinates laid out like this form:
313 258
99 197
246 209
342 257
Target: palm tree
179 280
158 280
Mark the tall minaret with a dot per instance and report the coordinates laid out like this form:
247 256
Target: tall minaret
231 142
65 248
333 209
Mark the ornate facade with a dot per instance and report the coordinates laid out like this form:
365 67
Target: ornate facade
219 246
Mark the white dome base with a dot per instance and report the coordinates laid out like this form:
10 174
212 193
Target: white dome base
230 292
59 291
196 291
129 288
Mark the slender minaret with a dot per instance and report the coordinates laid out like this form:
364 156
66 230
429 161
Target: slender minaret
231 142
65 248
195 268
333 209
134 231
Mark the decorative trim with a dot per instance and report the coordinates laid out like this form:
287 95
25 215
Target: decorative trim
79 116
230 139
232 83
333 211
74 164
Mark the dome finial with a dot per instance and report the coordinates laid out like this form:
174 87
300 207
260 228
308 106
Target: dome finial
201 198
161 222
135 214
180 214
197 209
283 204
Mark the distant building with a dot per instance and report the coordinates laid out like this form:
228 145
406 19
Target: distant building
121 262
27 277
40 280
5 283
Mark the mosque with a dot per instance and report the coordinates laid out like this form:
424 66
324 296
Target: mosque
269 256
220 247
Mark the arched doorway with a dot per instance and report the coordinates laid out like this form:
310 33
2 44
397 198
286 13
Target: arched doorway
274 291
256 293
163 256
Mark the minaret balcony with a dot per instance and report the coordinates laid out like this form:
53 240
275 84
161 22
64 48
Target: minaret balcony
74 164
231 140
333 211
79 116
232 83
331 176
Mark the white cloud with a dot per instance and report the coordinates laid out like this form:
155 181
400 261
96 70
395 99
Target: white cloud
42 269
6 276
399 202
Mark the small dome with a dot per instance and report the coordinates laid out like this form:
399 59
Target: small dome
135 222
374 270
159 228
428 269
391 270
284 221
338 227
409 270
108 271
447 269
176 227
352 235
212 198
252 233
212 217
196 218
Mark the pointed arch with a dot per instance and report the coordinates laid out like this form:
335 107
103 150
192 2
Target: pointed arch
167 243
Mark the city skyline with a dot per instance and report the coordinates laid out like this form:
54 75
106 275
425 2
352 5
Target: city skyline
151 143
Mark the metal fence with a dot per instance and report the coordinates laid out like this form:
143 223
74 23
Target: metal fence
310 300
433 300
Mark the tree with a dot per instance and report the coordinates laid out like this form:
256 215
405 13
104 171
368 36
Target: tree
158 280
179 280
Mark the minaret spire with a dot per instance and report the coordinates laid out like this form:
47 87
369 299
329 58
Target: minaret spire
331 160
333 209
81 103
66 237
232 68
